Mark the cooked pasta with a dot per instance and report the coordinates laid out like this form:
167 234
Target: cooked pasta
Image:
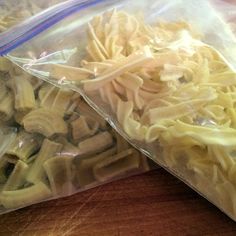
59 139
48 150
25 145
26 196
24 94
102 141
54 167
69 149
5 65
54 98
84 168
117 165
45 121
83 127
70 73
7 107
17 177
169 91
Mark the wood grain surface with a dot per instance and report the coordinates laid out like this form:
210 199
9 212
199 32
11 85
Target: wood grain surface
151 204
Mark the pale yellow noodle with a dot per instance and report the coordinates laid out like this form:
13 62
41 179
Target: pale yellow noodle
5 64
117 165
25 196
83 127
68 149
45 121
63 72
103 141
17 177
48 150
25 145
84 167
7 107
24 94
54 98
60 173
205 135
133 61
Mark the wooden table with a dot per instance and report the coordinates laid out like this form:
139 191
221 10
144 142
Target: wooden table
151 204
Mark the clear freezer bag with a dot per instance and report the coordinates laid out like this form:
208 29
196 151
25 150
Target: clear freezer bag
56 145
161 72
228 10
13 12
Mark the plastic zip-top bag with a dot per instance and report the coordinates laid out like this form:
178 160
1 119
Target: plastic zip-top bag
13 12
52 144
161 72
228 10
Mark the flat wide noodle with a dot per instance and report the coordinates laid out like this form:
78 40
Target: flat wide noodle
167 87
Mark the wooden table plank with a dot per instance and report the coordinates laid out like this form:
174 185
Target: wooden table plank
151 204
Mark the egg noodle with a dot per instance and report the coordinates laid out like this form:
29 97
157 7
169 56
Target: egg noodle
166 86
